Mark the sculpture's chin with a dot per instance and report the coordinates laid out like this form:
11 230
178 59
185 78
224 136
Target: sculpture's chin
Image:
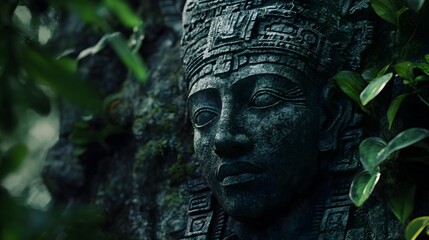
254 208
251 218
255 216
260 201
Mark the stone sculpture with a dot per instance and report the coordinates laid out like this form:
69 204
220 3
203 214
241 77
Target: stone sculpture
274 140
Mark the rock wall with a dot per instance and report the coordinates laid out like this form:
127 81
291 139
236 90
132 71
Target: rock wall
138 176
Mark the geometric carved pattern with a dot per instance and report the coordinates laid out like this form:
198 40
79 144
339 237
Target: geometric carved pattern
335 219
197 185
200 203
334 223
198 225
348 159
219 35
340 192
200 211
336 211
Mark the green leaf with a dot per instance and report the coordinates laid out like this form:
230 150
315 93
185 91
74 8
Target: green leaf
26 94
394 107
368 151
383 71
4 57
79 150
421 78
400 12
61 77
12 159
374 151
416 227
427 58
129 58
402 140
374 88
351 83
8 118
362 186
123 12
386 9
402 202
38 101
369 74
416 5
424 67
404 69
88 11
83 134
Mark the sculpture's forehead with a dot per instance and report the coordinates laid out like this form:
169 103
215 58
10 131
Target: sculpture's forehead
246 74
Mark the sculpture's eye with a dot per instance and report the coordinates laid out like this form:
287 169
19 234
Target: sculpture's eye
204 116
264 99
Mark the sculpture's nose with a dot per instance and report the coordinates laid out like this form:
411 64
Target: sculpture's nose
230 140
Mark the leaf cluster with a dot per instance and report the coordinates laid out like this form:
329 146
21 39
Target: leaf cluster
31 76
21 222
364 88
374 151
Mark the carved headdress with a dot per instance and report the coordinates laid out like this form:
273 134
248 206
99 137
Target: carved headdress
221 36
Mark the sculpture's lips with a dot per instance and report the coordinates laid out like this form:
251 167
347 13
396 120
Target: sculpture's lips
236 172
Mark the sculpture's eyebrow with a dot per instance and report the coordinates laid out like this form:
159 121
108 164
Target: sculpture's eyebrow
269 79
247 79
209 92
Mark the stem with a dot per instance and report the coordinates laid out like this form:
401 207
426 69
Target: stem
423 100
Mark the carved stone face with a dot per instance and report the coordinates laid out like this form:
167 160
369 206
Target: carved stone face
256 137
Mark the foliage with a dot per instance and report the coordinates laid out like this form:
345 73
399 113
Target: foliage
30 73
20 222
374 88
179 170
375 153
402 201
84 134
416 227
92 13
12 159
352 84
388 10
362 186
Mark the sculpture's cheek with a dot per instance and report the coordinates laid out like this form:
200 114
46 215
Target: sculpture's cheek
284 146
204 151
